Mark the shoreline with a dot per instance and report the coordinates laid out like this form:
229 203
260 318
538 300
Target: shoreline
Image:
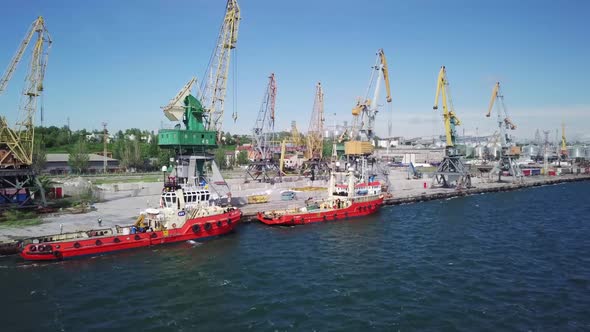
10 247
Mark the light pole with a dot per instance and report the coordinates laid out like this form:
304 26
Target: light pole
164 170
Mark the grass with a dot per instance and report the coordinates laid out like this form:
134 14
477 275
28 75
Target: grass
145 178
18 219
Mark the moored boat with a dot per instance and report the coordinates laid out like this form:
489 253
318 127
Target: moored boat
185 213
355 199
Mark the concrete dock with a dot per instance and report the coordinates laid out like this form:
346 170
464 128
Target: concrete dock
123 202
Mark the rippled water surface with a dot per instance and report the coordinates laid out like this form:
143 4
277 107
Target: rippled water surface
507 261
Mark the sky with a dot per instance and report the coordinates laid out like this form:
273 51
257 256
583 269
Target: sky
119 61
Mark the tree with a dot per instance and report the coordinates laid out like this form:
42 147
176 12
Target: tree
220 159
131 155
243 158
78 158
39 157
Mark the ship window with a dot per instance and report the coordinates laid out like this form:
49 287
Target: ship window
207 197
202 136
202 197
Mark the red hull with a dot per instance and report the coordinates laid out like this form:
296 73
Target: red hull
193 229
357 209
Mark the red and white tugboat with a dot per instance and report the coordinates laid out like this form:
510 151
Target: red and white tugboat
185 213
352 199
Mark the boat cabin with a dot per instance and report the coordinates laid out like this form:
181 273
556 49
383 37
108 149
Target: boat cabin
192 196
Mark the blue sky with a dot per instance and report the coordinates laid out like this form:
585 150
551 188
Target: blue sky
119 61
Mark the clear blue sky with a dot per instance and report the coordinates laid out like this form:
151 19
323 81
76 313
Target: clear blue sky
119 61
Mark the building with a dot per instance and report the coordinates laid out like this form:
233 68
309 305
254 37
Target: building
57 163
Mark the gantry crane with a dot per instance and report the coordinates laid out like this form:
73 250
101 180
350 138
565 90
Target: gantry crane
365 110
451 172
264 168
17 142
203 116
506 160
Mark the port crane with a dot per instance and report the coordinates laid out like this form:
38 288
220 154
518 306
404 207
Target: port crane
202 116
17 142
563 152
451 172
314 144
366 109
506 162
264 168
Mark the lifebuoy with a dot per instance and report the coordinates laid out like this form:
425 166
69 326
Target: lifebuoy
154 235
219 224
196 228
173 225
33 248
116 240
77 245
228 221
207 226
98 242
57 253
137 237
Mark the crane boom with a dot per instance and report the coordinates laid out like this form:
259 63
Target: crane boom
315 134
449 117
37 25
213 93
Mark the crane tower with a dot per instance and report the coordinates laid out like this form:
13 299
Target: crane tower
452 171
264 168
202 117
506 162
17 178
315 133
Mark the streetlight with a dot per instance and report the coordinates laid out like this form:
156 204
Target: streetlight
164 170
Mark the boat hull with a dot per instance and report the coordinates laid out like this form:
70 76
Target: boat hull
357 209
193 229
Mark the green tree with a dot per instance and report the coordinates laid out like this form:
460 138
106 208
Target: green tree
131 155
220 159
243 158
39 157
78 158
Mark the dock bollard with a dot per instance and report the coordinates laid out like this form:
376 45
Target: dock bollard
424 184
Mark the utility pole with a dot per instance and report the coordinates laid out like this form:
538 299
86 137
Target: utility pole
545 157
104 151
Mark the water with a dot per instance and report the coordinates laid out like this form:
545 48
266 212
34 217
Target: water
506 261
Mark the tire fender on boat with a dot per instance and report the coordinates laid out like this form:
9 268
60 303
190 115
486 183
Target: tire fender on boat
98 242
228 221
208 226
219 224
325 217
154 235
77 245
196 228
137 237
116 240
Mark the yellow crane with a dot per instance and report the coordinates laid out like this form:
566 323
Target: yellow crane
497 94
563 151
16 143
449 117
451 172
315 134
214 92
364 112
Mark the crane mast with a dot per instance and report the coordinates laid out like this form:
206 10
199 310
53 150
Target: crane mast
449 117
315 133
265 122
214 92
505 162
451 172
364 112
16 144
563 151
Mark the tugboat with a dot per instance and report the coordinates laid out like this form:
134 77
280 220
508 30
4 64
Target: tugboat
185 213
353 199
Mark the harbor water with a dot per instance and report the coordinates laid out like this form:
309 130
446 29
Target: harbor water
503 261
